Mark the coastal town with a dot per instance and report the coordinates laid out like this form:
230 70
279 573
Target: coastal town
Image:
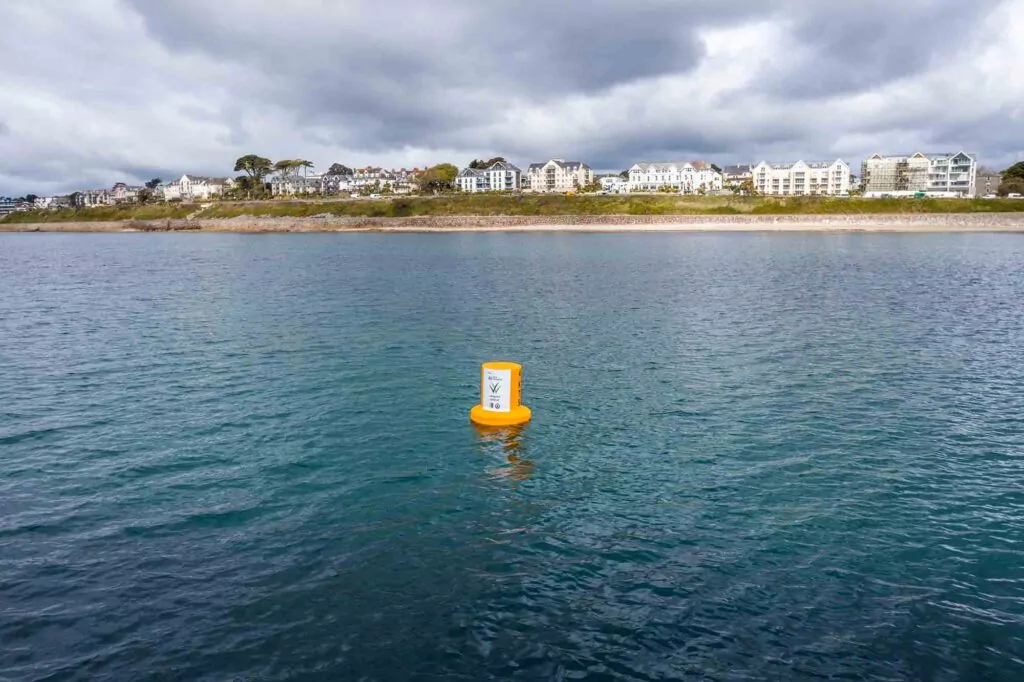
937 175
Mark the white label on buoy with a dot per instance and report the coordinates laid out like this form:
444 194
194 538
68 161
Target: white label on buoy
497 390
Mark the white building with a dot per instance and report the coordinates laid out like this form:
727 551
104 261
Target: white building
614 184
683 177
122 193
499 177
291 184
947 173
196 188
7 205
802 178
92 197
557 175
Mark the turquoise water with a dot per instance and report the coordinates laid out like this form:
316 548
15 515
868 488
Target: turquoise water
753 457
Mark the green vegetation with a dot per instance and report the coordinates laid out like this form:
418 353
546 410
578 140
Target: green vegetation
439 178
589 204
531 205
103 213
1012 180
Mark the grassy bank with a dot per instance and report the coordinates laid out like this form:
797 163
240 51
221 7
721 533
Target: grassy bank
541 205
103 214
536 205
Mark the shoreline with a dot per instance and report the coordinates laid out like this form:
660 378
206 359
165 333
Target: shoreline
903 222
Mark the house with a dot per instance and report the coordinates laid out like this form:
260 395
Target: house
7 205
683 177
614 184
802 178
371 178
501 176
90 198
735 176
124 194
196 188
405 180
557 175
920 172
337 179
986 182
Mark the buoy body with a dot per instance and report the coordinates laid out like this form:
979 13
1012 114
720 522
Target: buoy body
501 390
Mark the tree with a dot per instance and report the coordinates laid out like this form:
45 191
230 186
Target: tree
716 168
256 167
1011 186
145 194
154 183
439 178
286 166
1014 172
481 164
338 169
1012 180
624 175
745 188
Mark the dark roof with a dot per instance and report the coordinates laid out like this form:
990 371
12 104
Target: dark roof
568 165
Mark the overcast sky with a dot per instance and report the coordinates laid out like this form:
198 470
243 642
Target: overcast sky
98 91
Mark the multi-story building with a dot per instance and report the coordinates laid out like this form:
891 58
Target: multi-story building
684 177
7 205
987 182
501 176
122 193
800 178
947 173
735 176
292 184
337 180
557 175
92 197
196 188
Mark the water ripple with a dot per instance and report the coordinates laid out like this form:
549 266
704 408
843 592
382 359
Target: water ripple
794 457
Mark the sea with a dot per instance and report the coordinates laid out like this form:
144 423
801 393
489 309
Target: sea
752 456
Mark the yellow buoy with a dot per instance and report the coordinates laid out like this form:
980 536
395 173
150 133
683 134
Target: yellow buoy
501 389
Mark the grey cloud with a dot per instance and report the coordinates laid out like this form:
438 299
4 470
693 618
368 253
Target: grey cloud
386 81
857 47
336 80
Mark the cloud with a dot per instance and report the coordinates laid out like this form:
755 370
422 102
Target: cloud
99 91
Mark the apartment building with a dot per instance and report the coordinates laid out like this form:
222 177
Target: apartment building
7 205
684 177
557 175
802 178
499 177
89 198
196 188
954 173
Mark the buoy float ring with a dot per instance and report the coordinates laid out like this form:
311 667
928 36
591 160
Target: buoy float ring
501 390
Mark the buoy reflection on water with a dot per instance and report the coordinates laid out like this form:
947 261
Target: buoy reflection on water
506 443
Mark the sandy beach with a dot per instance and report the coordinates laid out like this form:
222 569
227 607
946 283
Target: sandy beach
931 222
